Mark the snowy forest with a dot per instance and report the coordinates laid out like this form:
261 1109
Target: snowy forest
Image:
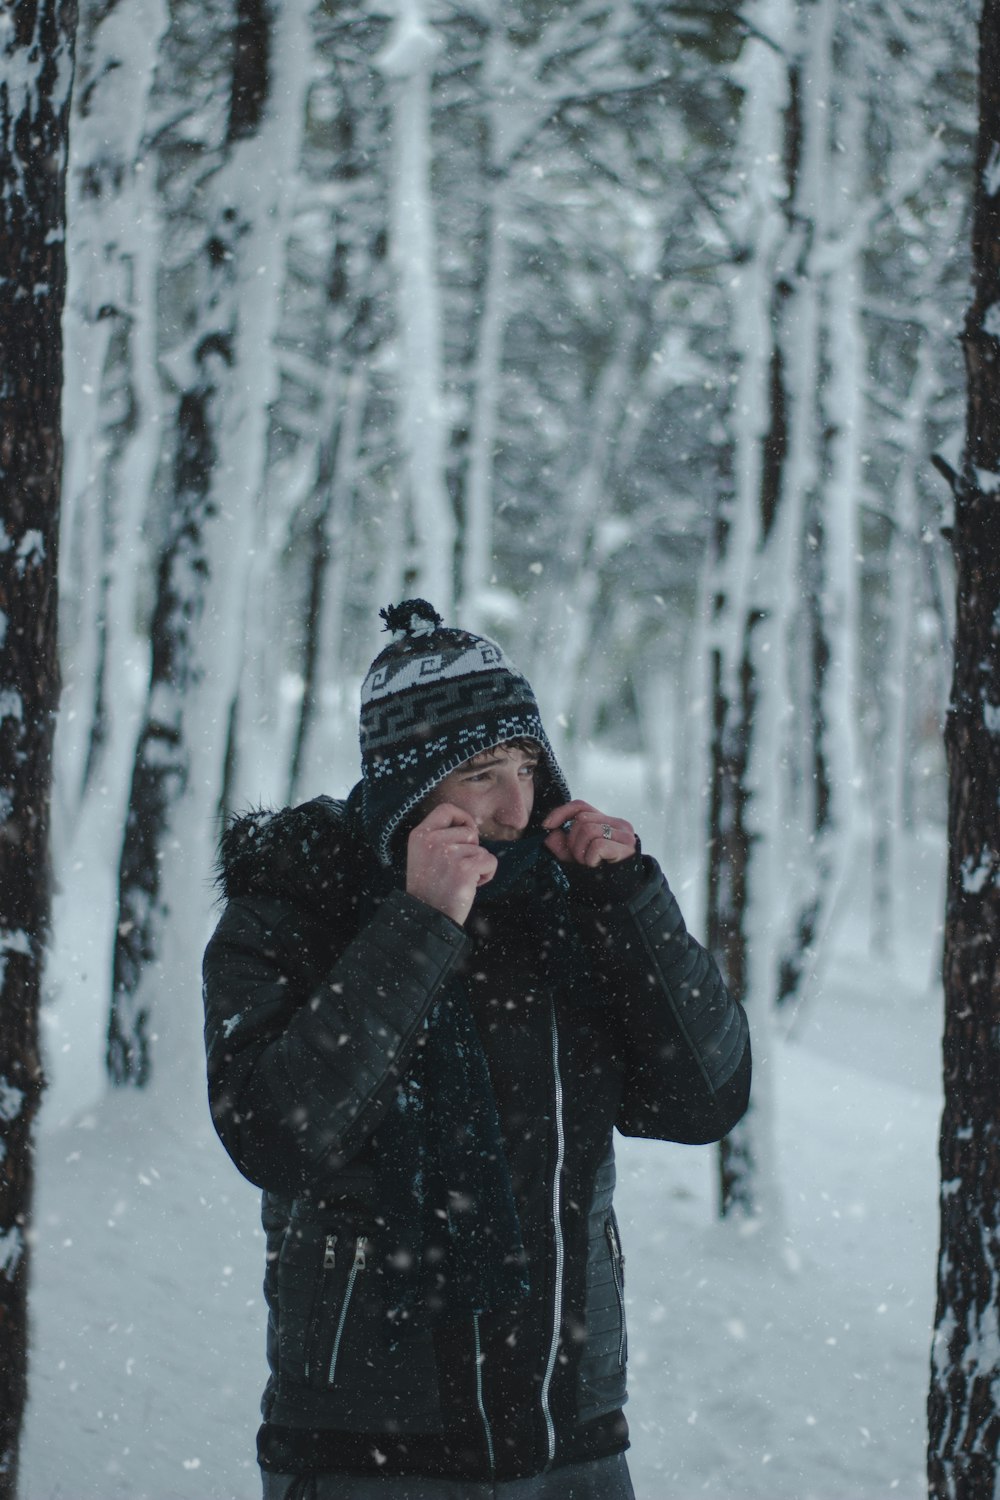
657 341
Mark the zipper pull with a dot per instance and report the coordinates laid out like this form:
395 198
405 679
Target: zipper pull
330 1253
360 1252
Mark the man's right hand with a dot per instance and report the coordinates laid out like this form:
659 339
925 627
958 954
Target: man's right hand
445 863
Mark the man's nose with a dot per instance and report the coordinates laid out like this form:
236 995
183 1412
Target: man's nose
515 807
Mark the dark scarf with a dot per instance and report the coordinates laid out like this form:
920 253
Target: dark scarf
443 1180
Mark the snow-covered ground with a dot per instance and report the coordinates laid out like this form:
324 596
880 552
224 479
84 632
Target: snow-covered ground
788 1363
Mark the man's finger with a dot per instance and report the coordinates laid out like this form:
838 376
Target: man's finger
447 815
563 814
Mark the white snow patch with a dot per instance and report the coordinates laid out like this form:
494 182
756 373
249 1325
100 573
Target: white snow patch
991 717
230 1024
15 940
11 705
988 481
30 551
412 46
991 320
991 174
11 1099
975 875
11 1250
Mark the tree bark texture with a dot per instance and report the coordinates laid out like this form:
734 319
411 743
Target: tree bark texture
964 1399
160 772
728 869
227 266
36 67
755 532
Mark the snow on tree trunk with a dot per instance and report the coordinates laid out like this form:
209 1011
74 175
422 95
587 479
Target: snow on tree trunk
295 697
110 396
964 1397
111 407
315 750
755 579
249 139
563 642
407 61
477 533
36 58
829 767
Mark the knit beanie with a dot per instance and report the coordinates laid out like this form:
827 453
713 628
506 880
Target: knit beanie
435 697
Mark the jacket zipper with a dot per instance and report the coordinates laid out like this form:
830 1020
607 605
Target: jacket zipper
559 1247
360 1261
487 1430
618 1271
329 1264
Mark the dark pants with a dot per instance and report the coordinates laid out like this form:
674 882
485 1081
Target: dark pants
601 1479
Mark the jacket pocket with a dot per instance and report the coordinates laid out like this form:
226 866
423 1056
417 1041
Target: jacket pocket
605 1351
618 1272
333 1305
344 1360
317 1278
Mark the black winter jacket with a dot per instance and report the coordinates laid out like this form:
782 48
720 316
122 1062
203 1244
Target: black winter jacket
310 1019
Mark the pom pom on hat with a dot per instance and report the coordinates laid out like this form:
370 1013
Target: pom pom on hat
414 617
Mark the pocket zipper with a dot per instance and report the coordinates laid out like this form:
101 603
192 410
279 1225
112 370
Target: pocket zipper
329 1264
618 1272
359 1264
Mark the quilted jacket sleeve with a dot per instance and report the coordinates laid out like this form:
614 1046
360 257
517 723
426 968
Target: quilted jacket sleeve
687 1040
301 1074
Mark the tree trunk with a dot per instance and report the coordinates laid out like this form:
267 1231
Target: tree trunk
162 760
36 56
251 123
891 766
963 1404
477 537
753 590
407 61
828 768
110 408
324 628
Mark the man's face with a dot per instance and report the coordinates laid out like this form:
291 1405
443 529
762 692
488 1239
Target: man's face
496 788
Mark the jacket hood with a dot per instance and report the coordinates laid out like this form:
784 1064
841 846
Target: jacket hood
295 852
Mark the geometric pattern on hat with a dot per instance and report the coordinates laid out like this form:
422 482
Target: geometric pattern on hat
396 675
423 716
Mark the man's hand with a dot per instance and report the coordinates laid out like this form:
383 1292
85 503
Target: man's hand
445 864
592 837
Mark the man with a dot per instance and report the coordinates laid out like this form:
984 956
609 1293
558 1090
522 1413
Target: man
426 1009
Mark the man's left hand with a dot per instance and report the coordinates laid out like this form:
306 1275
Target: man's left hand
592 838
